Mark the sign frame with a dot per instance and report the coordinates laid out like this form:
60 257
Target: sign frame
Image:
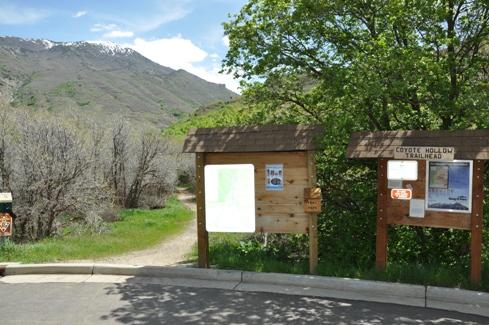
448 181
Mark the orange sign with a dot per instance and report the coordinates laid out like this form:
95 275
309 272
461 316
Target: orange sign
401 194
5 224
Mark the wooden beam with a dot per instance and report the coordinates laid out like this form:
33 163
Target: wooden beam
477 213
400 216
381 241
202 234
313 217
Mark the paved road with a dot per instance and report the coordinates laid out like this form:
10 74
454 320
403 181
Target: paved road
120 302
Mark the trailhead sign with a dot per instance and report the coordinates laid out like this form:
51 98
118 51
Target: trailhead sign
268 195
230 198
448 191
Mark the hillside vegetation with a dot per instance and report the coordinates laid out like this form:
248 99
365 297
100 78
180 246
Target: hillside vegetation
220 113
99 81
62 172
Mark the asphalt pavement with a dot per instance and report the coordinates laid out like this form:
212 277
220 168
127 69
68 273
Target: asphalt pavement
117 294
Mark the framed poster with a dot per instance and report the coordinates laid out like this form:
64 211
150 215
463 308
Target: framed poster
449 186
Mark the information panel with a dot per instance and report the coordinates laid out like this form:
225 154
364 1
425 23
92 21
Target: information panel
449 186
402 170
274 177
230 198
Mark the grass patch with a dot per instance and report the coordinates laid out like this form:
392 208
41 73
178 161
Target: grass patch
64 89
227 252
235 252
139 229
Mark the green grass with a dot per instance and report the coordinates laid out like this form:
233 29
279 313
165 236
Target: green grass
233 252
64 89
226 253
139 229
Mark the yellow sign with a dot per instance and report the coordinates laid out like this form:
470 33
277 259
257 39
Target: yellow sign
5 224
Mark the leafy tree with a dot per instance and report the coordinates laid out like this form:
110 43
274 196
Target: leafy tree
362 65
384 64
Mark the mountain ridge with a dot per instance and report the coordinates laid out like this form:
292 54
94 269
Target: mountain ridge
99 80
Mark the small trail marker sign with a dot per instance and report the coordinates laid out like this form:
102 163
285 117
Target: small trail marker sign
312 200
401 194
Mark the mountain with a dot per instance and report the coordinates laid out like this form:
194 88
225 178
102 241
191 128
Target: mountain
99 80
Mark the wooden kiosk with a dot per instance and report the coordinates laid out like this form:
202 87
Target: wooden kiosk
446 191
290 208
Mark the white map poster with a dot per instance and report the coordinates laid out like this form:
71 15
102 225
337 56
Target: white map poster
230 198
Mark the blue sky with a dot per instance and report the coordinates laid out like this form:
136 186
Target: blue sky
180 34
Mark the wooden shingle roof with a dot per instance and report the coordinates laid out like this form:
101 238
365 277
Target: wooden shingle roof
468 144
291 137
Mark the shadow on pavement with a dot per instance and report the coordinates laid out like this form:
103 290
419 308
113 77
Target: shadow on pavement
157 304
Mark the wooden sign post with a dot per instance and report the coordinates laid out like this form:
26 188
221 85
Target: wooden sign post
431 200
284 161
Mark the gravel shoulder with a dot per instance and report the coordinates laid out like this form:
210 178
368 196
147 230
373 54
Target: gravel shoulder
171 252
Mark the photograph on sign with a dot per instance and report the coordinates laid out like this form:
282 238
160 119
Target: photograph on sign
402 170
274 177
439 176
449 186
230 198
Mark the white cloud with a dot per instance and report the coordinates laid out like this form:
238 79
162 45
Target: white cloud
11 15
112 31
162 15
79 14
179 53
118 34
103 27
176 53
225 41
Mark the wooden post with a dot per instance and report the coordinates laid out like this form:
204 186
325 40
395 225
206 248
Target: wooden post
381 242
313 217
477 212
202 234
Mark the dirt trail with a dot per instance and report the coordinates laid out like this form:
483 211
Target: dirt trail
171 252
